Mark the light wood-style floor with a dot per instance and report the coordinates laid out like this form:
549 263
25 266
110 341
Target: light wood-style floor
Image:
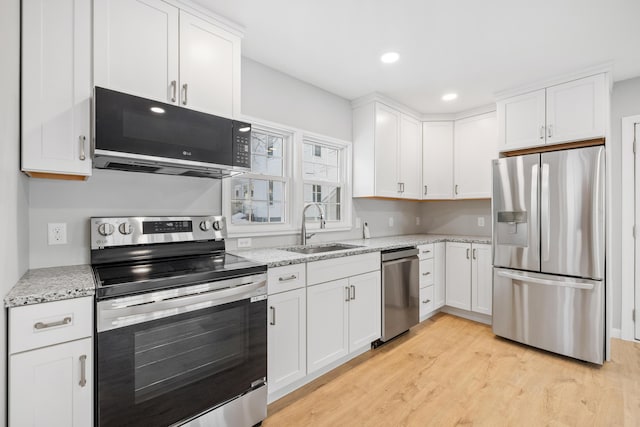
450 371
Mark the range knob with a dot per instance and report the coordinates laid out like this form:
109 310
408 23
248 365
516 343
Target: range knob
217 225
205 225
125 228
106 229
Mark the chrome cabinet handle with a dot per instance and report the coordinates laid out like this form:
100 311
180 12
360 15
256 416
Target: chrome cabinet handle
83 370
185 87
353 292
426 252
550 133
41 325
402 183
348 297
542 132
174 90
467 253
425 190
427 301
82 139
426 273
286 279
273 315
456 189
474 254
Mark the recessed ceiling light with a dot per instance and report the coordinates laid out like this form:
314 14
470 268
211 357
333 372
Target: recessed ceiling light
157 110
449 96
390 57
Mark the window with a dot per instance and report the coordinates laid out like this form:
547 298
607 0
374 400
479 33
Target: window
323 175
260 196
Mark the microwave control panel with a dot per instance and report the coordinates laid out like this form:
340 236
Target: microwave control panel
242 144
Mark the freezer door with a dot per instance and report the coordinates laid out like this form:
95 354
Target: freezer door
516 226
572 212
558 314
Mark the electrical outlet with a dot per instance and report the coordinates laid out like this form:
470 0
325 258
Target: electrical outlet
244 243
390 221
417 220
358 222
480 221
57 233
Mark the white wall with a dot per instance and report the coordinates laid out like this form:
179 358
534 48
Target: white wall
13 185
274 96
625 102
108 193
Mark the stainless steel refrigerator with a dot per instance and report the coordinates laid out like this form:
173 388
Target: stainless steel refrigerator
549 251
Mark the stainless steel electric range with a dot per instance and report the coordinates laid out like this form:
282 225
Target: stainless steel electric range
180 324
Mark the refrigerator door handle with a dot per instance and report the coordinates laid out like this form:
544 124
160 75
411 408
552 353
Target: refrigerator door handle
545 213
548 282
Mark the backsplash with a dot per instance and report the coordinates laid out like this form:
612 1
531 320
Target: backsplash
457 217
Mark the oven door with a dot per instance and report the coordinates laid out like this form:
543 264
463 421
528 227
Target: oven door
167 360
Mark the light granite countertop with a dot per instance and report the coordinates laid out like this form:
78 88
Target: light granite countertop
51 284
276 257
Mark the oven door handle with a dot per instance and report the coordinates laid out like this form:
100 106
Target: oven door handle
118 317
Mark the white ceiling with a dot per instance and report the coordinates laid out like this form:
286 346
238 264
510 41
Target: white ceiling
474 48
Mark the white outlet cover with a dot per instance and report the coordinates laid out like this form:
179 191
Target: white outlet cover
57 233
417 220
244 242
480 221
390 221
358 222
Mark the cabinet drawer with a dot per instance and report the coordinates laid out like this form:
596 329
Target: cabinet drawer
339 268
426 301
40 325
426 272
286 278
425 251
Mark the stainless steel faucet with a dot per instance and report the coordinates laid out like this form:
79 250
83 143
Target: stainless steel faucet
304 234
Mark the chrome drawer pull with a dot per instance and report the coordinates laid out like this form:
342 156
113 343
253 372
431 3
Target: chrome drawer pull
426 252
41 325
426 301
426 273
83 370
286 279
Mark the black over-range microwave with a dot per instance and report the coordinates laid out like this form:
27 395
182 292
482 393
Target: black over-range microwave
142 135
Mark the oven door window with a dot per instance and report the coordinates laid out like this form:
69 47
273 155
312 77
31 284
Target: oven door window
167 370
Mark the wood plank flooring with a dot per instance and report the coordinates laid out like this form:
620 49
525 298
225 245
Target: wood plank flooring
449 371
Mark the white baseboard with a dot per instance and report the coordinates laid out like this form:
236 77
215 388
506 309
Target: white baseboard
476 317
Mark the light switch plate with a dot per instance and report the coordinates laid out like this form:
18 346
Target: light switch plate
358 222
244 242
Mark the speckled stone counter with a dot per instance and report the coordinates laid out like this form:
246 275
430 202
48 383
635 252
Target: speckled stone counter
51 284
276 257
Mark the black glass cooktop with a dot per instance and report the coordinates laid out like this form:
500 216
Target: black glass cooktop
118 279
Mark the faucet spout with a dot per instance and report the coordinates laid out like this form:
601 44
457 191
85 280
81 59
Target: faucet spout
304 236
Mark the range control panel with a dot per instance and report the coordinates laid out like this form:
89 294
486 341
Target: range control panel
125 231
242 144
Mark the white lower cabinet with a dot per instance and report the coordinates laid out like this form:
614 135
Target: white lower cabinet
342 317
468 277
286 338
52 386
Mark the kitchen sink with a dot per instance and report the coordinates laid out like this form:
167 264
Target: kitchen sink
317 249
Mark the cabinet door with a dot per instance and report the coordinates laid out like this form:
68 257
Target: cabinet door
475 147
439 268
327 323
209 67
45 387
437 160
577 110
136 48
56 86
410 166
521 121
387 132
481 279
364 310
458 289
286 338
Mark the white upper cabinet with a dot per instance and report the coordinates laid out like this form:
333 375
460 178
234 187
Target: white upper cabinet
577 110
521 121
136 48
437 160
567 112
153 49
56 87
391 142
474 149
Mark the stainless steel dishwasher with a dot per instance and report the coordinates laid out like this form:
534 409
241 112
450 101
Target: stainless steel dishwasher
400 291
